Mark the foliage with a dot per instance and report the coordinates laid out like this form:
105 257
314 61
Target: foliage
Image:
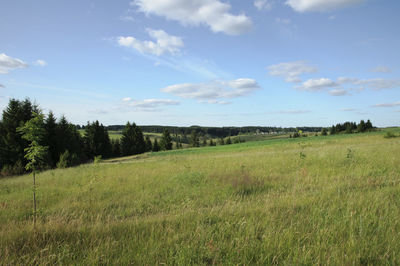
389 134
166 140
132 141
194 139
34 132
156 147
97 141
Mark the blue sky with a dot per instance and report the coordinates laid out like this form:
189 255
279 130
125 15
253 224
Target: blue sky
204 62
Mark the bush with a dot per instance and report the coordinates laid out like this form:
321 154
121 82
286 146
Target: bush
64 160
389 134
97 159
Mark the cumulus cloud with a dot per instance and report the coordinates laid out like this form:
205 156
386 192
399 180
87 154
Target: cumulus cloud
8 63
165 43
213 13
382 69
262 4
291 71
320 5
40 62
148 105
317 84
387 104
214 92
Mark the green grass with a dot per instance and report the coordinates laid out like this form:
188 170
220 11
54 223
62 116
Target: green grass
316 200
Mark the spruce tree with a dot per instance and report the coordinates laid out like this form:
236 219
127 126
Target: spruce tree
132 141
156 147
194 139
149 146
166 140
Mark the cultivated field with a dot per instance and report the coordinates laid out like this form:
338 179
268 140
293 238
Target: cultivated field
315 200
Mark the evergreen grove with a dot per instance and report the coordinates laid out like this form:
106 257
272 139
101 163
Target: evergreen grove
65 145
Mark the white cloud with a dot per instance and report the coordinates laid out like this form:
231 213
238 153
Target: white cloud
375 84
381 69
283 21
2 86
40 62
319 5
348 109
127 18
317 84
165 43
387 104
338 92
291 71
8 63
212 13
148 104
213 92
263 4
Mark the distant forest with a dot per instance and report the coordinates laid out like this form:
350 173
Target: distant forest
215 132
24 127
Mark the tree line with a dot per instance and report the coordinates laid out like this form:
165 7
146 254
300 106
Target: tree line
65 146
215 132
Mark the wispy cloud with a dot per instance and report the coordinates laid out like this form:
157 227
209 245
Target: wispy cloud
148 105
387 104
213 13
382 69
40 62
320 5
2 86
8 64
263 4
291 71
214 92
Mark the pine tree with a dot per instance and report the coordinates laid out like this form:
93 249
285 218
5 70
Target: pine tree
361 127
97 141
132 141
166 140
368 125
15 115
156 147
194 139
149 146
51 138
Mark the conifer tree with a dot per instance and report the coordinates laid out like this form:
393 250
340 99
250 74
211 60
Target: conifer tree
132 141
156 147
149 146
194 139
166 140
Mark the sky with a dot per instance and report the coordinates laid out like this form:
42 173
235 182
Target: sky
204 62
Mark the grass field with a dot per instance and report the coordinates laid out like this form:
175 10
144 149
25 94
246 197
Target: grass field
316 200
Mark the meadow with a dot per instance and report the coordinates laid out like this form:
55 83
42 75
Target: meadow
314 200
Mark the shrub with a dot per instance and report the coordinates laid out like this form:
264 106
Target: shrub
64 160
389 134
97 159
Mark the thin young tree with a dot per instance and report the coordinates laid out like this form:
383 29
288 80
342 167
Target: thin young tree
34 132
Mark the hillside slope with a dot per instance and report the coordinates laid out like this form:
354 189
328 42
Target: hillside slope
316 200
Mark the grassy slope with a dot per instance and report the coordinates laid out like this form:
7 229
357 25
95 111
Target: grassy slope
255 202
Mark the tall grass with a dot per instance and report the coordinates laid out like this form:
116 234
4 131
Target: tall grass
249 203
